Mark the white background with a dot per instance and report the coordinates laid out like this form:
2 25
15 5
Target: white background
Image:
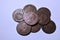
8 25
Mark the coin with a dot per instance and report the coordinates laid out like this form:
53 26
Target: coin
44 10
36 28
23 29
29 8
30 18
43 14
49 28
18 15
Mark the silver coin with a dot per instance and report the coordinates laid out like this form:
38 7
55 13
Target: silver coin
30 18
18 15
23 29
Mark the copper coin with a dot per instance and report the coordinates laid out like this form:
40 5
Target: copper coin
18 15
43 18
36 28
23 29
29 8
45 10
49 28
30 18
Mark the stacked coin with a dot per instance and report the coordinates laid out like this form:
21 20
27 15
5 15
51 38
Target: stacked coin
49 28
32 20
44 15
23 28
44 19
30 14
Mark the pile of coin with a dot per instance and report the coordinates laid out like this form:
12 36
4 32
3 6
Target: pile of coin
30 19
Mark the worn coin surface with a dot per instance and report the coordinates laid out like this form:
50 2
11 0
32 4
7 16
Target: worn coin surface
43 19
23 29
30 18
29 8
36 28
18 15
44 10
44 16
49 28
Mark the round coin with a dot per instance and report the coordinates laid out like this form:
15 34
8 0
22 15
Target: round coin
49 28
18 15
30 18
23 29
44 15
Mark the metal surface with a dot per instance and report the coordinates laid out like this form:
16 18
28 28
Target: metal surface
18 15
49 28
23 29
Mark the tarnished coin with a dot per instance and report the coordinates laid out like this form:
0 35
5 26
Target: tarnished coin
44 16
18 15
44 10
23 29
36 28
29 8
30 18
43 19
49 28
